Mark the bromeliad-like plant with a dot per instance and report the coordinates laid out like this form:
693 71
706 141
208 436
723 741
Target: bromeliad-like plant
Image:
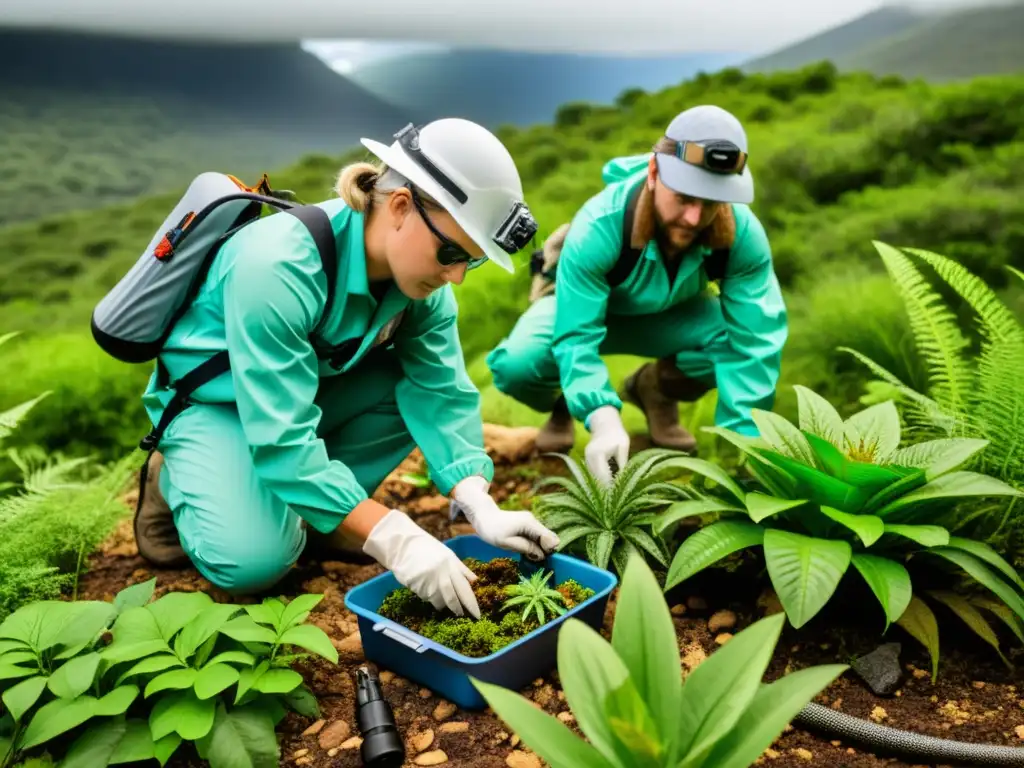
145 676
831 493
630 701
611 522
536 595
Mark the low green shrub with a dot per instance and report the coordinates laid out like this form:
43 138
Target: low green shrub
133 679
832 492
628 700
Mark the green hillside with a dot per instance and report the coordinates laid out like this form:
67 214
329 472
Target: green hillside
838 161
936 46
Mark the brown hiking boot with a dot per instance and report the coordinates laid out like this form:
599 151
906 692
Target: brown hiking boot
558 435
656 389
155 534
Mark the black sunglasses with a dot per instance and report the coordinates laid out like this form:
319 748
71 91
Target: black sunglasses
449 253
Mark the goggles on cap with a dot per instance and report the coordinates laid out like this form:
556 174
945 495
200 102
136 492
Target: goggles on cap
518 227
715 155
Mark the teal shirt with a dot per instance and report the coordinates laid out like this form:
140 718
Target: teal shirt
751 302
261 300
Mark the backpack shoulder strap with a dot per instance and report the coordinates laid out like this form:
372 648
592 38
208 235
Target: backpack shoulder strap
715 264
628 256
318 223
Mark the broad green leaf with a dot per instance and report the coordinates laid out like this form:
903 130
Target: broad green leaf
214 678
599 548
983 575
937 457
644 637
176 609
814 485
247 678
589 670
890 582
134 596
804 571
761 506
245 630
818 416
1001 610
720 688
784 436
6 646
268 612
136 745
14 671
150 665
176 679
711 472
303 701
5 749
634 727
298 609
553 742
773 707
776 480
958 484
96 746
972 618
47 623
57 717
867 527
75 677
165 747
278 681
203 652
183 713
91 619
920 622
243 738
905 485
984 552
869 477
691 508
199 629
136 633
20 698
117 701
234 657
709 545
313 639
20 657
925 535
873 434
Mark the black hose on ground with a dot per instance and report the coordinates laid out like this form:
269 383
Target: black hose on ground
926 749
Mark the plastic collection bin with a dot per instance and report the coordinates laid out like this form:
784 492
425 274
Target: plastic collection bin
445 672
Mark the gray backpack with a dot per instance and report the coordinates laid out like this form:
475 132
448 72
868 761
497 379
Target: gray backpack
132 322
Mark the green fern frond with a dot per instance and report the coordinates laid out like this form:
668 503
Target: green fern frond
998 408
997 322
11 418
940 341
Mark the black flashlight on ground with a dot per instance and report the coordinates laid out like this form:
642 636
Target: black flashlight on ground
382 745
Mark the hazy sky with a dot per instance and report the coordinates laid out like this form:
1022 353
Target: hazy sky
670 26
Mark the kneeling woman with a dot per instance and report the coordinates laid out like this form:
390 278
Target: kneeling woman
285 440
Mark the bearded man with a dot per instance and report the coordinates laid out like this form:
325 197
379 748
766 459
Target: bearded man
667 262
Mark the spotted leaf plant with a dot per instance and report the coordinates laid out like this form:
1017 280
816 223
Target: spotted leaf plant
109 683
831 493
633 705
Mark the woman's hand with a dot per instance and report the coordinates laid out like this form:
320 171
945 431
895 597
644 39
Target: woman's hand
519 531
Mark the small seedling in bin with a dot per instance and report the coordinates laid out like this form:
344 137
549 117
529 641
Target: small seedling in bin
536 595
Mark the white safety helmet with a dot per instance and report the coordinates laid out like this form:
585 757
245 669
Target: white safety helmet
466 169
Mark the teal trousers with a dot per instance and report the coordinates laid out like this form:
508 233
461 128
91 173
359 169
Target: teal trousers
694 333
241 537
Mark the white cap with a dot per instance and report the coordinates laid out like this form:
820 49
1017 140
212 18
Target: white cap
466 169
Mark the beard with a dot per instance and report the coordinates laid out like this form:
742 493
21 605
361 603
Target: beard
673 239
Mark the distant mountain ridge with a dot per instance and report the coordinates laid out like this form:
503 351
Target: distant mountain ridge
522 88
936 45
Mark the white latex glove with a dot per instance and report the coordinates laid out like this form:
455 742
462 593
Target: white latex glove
423 564
608 440
518 531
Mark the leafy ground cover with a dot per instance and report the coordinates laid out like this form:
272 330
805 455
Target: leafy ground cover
974 698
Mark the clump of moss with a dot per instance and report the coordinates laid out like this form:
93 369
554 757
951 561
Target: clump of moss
499 625
573 593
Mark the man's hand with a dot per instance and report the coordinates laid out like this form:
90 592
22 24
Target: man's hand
423 564
517 531
608 440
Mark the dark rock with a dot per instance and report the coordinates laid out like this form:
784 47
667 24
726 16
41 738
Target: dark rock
881 669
